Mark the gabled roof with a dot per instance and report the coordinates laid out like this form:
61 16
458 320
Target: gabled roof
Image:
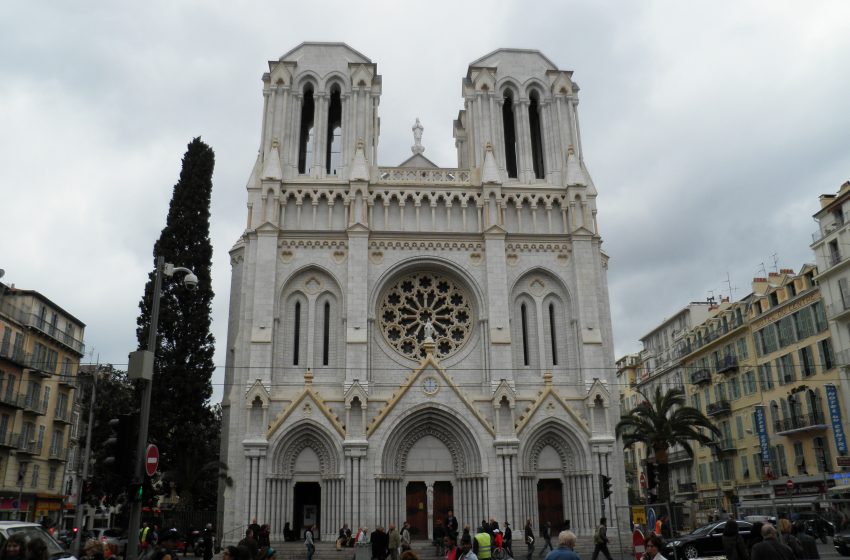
492 59
428 363
548 393
418 160
308 394
307 44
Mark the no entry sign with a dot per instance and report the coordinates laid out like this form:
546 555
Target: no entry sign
151 459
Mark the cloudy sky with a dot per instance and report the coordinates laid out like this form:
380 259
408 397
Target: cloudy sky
709 129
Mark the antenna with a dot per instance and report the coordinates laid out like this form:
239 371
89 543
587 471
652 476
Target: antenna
775 258
763 270
730 287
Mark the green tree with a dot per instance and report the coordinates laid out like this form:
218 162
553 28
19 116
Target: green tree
184 365
662 422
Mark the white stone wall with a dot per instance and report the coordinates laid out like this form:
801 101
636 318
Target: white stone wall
347 424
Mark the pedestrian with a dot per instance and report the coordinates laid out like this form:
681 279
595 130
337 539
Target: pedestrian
250 542
566 547
482 544
451 525
509 537
789 538
93 550
546 537
308 542
362 535
380 543
405 536
466 550
264 537
654 544
466 536
600 540
529 539
344 537
755 536
255 527
15 548
394 541
733 543
807 542
770 548
209 542
450 544
167 547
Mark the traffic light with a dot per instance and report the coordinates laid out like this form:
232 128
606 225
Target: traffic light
605 485
120 447
651 477
141 491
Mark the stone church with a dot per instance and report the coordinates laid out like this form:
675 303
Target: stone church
411 339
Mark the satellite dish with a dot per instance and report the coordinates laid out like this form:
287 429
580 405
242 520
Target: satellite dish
2 272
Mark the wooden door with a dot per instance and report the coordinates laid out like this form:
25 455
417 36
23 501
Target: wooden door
550 504
417 510
443 502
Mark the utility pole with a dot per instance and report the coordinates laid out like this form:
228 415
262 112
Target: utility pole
78 511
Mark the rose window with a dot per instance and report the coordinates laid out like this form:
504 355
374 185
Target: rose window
418 298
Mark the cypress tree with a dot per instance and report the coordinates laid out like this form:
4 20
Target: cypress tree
184 352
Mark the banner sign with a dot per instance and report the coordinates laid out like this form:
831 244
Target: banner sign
761 430
835 415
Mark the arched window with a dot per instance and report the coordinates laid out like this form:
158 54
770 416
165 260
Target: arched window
524 320
510 134
333 152
552 334
326 335
305 138
536 135
296 334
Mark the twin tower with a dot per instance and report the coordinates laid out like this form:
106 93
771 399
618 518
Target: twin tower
404 340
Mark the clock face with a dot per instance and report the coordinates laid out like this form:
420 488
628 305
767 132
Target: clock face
430 385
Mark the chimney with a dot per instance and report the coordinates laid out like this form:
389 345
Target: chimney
789 271
759 285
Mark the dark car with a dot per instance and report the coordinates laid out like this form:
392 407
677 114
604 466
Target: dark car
841 542
704 541
817 525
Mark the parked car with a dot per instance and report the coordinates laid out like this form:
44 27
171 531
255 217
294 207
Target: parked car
841 542
33 531
704 541
817 525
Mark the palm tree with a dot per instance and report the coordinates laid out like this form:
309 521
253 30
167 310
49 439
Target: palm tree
661 423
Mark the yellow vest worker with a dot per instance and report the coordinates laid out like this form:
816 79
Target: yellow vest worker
482 546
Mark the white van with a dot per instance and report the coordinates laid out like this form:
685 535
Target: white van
33 531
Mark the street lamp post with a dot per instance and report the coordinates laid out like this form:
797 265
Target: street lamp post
145 360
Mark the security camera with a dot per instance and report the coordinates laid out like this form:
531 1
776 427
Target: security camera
190 281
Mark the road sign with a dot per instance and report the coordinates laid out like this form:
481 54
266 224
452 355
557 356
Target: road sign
151 459
790 484
842 461
642 480
639 515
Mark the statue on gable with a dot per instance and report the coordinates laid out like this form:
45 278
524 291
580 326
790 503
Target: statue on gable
417 147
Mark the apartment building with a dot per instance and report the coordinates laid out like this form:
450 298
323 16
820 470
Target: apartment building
628 371
41 345
763 369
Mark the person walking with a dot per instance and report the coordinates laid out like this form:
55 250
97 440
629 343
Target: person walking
654 544
482 544
394 541
308 542
450 544
546 537
770 548
566 547
466 550
450 524
405 537
509 537
600 540
209 542
529 539
733 543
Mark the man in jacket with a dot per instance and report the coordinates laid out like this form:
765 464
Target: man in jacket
451 525
482 544
600 540
380 544
394 541
566 546
546 537
770 548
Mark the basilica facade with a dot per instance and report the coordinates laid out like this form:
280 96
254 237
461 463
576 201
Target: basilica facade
407 340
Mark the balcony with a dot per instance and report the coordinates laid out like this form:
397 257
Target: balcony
13 354
827 229
34 321
718 408
63 416
678 457
32 404
700 376
31 447
57 454
68 381
727 445
422 176
800 423
10 399
8 440
687 487
729 364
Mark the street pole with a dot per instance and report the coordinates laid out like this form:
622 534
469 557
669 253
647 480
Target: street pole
22 474
78 511
716 449
144 416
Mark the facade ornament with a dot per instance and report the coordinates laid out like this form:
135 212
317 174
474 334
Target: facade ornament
417 147
429 331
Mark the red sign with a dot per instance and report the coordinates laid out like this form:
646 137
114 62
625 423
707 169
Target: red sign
790 484
151 459
642 480
639 544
